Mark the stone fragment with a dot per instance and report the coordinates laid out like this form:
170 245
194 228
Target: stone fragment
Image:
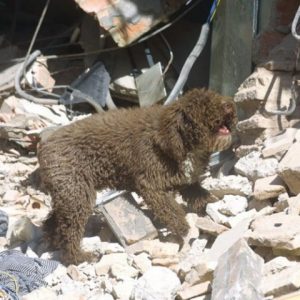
75 273
206 225
264 85
289 168
190 259
44 293
154 248
194 291
288 280
11 196
207 262
122 271
142 262
123 289
233 185
231 268
268 187
158 283
92 244
279 143
101 296
108 248
253 166
213 210
246 215
105 263
294 205
226 239
258 205
282 203
55 277
22 230
277 264
233 205
169 262
280 231
258 121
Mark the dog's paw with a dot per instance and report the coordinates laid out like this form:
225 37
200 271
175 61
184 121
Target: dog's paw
79 258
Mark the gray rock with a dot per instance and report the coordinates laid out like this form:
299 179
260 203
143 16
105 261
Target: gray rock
231 269
233 205
289 168
158 283
233 185
280 231
253 166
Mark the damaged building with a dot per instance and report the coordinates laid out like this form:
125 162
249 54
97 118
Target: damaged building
73 62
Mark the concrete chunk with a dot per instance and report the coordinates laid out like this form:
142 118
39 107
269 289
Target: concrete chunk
289 168
230 279
253 166
280 231
279 143
268 187
288 280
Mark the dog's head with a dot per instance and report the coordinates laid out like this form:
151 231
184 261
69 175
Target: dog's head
201 119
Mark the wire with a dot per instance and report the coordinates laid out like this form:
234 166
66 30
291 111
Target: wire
170 53
213 10
196 51
35 35
294 25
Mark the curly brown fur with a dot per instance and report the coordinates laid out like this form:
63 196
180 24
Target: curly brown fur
153 151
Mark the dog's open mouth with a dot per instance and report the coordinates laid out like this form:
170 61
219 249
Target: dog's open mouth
224 130
225 127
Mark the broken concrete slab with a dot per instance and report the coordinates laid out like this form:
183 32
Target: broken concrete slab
129 224
294 205
206 225
279 143
279 231
254 166
195 291
233 205
268 188
267 86
277 264
154 248
158 283
231 269
288 280
289 168
232 184
258 121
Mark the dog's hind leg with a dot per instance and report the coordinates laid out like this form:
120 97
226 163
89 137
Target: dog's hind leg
72 205
166 210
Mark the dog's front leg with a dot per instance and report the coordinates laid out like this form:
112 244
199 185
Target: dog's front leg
196 197
166 210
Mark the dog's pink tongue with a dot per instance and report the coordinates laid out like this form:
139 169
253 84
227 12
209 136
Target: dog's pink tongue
224 130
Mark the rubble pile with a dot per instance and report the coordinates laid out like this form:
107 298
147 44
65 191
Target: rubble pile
246 247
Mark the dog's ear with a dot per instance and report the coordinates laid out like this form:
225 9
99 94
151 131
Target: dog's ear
170 139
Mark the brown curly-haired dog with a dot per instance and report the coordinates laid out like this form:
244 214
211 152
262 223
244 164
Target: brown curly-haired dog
153 151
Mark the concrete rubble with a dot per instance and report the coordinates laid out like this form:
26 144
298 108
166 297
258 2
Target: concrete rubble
254 226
